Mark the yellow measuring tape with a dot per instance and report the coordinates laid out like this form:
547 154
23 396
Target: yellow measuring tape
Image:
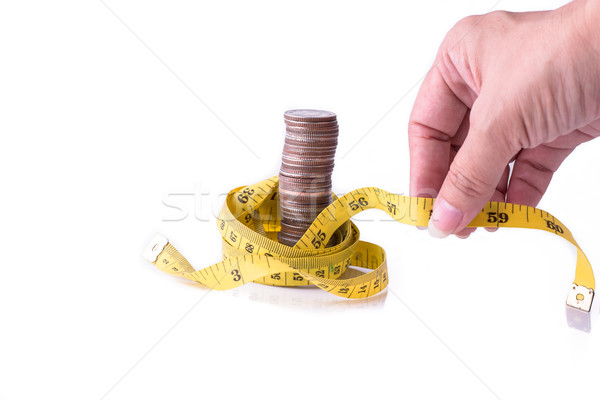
249 224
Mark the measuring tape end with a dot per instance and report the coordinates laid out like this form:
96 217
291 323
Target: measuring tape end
580 297
156 246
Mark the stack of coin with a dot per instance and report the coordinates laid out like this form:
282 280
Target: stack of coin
306 167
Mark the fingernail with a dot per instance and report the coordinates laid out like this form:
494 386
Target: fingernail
462 236
444 219
421 228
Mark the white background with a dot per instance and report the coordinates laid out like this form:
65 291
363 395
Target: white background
107 110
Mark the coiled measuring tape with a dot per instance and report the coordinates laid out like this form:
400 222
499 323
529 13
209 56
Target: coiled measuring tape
248 223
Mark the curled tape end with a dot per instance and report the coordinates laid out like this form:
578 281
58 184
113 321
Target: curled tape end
580 297
155 247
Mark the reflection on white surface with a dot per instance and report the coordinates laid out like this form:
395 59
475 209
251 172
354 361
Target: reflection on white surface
578 319
305 297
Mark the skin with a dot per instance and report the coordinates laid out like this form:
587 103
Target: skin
522 87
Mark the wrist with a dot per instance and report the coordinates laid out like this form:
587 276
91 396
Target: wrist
577 27
589 60
589 23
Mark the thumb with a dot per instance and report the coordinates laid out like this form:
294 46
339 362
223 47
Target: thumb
472 177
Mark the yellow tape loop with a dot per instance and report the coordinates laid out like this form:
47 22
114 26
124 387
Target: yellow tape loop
249 223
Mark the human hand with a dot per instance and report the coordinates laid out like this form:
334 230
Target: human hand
522 87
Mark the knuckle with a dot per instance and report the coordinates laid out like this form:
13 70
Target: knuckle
417 129
475 26
465 24
498 17
459 34
492 19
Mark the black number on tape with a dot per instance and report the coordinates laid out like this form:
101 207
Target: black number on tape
391 207
500 218
236 275
555 227
317 243
361 201
297 277
320 238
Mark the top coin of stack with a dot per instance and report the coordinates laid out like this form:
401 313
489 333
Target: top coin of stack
306 167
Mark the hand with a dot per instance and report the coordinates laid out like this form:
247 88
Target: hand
522 87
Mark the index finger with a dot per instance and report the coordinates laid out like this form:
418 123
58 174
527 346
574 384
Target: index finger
436 116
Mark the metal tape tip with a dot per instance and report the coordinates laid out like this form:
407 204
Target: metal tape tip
155 247
580 297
